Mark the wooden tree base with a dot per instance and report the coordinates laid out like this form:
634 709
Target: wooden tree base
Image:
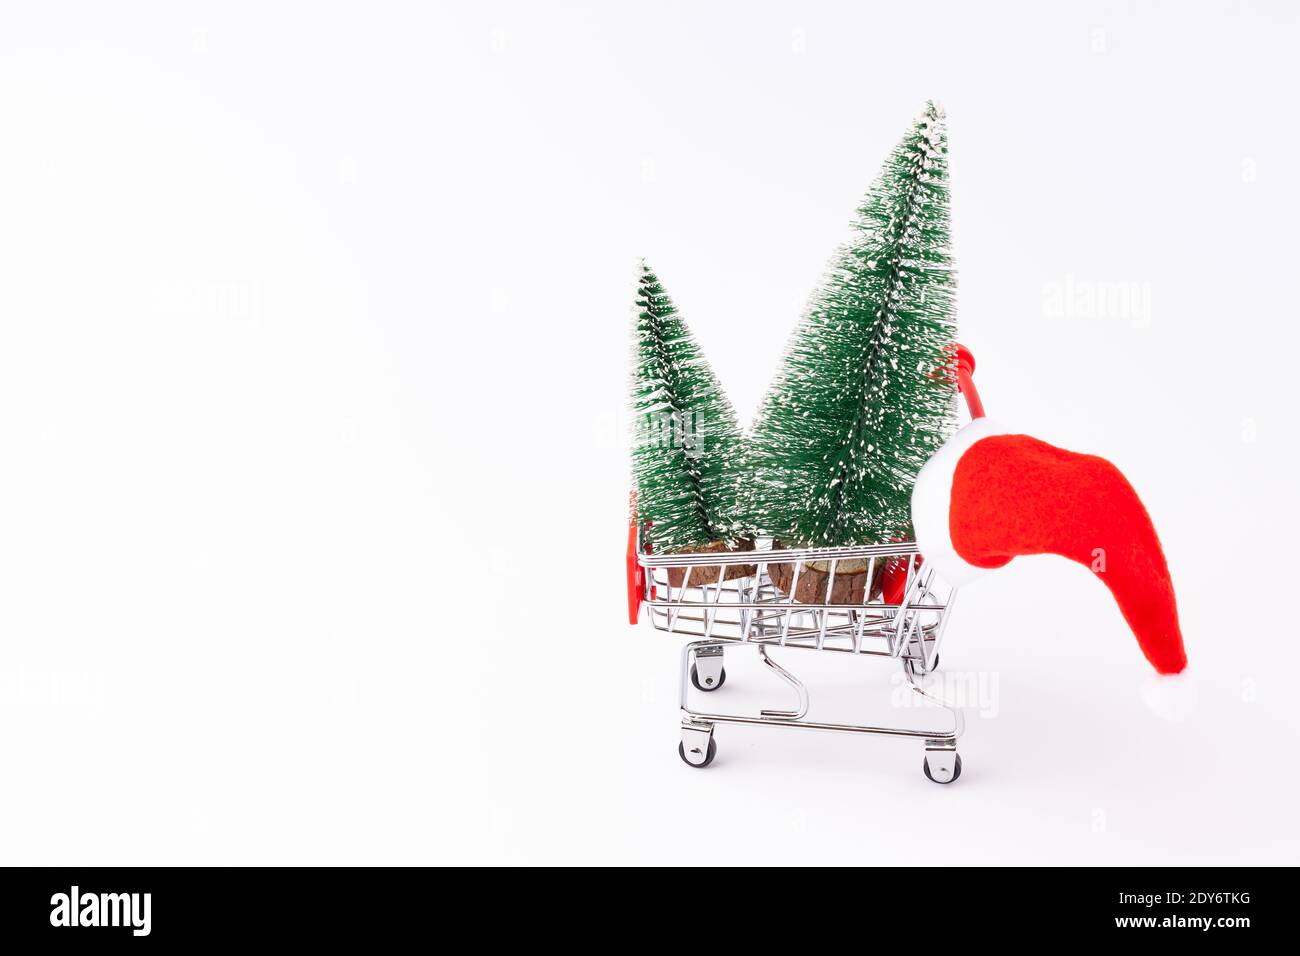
708 573
850 581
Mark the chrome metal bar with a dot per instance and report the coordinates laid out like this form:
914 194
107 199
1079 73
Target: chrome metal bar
958 718
793 681
942 626
915 616
683 559
830 595
927 658
794 589
753 609
802 608
795 719
902 610
709 617
952 735
866 600
746 616
686 585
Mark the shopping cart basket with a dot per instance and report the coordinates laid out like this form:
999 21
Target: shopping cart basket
902 614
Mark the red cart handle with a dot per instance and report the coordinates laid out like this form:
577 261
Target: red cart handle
635 573
964 369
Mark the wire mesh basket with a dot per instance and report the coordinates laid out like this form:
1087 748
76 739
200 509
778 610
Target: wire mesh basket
901 612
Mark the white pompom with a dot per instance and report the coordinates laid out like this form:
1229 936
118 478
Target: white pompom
932 503
1170 696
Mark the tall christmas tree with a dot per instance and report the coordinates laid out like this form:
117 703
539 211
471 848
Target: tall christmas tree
686 446
862 400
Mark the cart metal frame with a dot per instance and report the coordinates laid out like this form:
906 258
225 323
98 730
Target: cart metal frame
751 611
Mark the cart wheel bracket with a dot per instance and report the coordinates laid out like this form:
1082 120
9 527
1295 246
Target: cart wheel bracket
697 747
707 673
942 762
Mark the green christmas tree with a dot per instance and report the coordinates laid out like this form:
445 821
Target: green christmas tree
862 401
686 447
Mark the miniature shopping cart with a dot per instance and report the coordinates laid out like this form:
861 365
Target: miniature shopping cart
899 610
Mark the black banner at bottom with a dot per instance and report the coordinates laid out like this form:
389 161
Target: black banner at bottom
137 906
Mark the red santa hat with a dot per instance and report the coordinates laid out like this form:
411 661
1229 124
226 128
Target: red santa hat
988 496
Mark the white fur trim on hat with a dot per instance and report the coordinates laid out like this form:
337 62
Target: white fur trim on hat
1171 696
932 503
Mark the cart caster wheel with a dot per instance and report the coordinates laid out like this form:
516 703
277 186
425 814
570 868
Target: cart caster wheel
693 758
705 685
945 771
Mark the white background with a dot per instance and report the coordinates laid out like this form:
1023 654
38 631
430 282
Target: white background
313 358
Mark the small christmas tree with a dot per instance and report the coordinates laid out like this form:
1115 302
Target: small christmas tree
686 448
862 400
